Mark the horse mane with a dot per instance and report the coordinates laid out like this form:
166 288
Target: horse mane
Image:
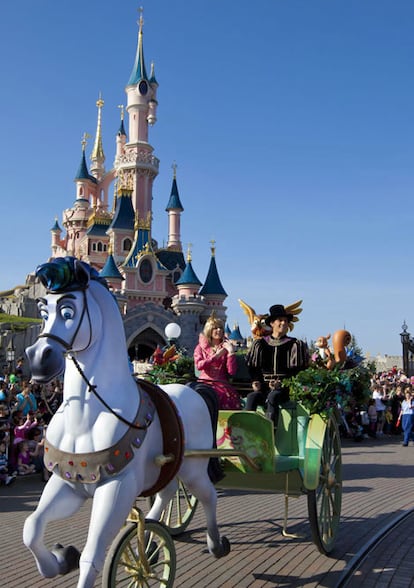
65 274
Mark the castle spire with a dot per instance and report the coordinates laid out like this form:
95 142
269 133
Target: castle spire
97 155
138 71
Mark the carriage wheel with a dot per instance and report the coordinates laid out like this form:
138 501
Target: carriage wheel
124 568
324 503
179 511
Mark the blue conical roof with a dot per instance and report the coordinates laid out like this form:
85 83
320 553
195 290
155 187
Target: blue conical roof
212 285
110 270
83 173
188 276
235 335
121 130
138 71
174 202
56 226
124 217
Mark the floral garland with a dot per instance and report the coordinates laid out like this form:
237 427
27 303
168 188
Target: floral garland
319 389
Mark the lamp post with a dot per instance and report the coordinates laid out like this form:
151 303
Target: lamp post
405 341
10 355
172 332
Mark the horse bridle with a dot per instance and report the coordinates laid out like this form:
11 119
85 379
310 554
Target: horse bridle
69 353
65 344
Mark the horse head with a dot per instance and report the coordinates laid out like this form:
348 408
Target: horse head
68 314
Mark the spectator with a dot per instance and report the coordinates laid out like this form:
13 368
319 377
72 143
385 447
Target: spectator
25 463
26 401
5 477
372 416
378 397
407 416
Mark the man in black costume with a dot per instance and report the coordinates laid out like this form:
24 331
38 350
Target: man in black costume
271 359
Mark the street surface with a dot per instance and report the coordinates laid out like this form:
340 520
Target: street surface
378 486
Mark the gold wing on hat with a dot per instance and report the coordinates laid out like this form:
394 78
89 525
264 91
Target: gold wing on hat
294 309
256 321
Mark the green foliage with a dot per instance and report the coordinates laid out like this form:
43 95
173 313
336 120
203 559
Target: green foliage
17 323
319 389
172 372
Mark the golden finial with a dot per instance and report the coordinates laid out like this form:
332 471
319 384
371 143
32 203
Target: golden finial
100 102
84 140
189 251
121 107
213 247
141 17
174 168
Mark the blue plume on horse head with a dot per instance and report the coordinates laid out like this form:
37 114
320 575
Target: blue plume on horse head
65 274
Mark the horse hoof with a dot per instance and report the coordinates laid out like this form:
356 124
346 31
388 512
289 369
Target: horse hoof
67 557
224 548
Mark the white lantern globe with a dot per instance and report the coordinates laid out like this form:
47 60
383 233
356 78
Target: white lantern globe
172 331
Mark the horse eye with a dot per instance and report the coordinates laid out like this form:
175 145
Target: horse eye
44 314
67 313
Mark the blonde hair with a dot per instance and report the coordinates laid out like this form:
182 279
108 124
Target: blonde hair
212 323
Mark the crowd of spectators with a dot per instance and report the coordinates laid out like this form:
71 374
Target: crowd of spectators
383 415
25 411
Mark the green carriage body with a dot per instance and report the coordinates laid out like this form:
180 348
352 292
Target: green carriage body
288 459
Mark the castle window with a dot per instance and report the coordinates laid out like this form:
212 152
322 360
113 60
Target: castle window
126 245
99 246
93 246
145 271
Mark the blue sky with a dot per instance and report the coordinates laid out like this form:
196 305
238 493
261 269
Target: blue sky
291 122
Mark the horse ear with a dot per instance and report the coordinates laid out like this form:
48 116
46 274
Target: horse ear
81 273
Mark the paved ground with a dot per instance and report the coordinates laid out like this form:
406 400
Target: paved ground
378 487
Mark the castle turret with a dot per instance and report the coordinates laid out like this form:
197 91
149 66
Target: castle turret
75 219
189 305
121 135
56 233
212 290
174 209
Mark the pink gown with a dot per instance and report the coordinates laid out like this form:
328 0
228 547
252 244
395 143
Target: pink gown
215 371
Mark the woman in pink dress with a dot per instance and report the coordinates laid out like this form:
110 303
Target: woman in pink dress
215 360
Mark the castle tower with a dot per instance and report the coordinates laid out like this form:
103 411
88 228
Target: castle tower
138 162
174 209
75 219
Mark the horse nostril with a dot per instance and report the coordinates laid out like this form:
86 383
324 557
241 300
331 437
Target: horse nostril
47 352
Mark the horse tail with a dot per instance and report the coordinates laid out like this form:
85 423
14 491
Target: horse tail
209 395
340 340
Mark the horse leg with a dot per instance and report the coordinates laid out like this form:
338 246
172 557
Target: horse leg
59 500
195 477
111 505
162 499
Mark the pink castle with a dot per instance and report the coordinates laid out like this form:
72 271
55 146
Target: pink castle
154 286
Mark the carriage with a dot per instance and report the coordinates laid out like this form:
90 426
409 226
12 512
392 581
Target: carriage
301 458
96 450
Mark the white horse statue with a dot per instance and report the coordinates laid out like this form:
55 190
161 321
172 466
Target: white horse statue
103 441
